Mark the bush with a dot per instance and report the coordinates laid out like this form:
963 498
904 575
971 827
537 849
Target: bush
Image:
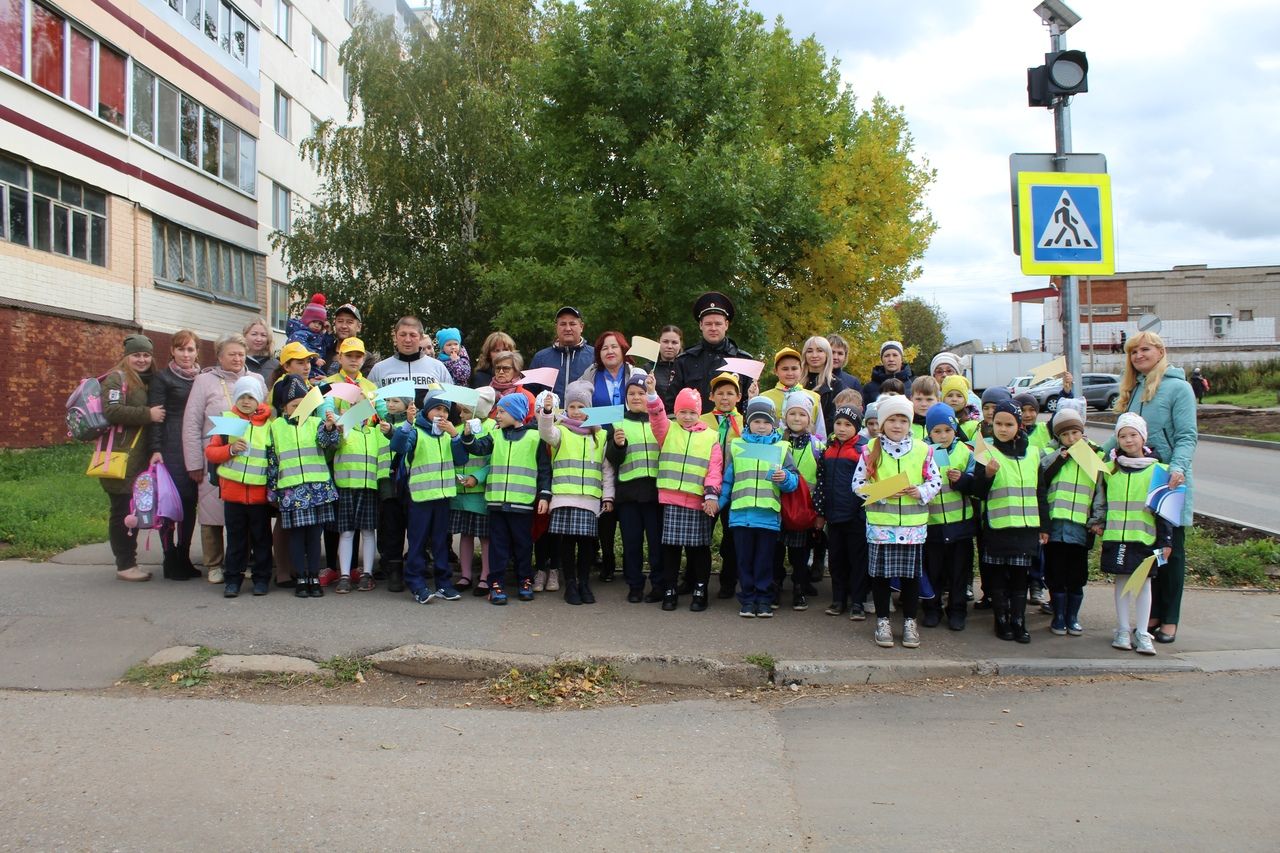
1239 378
1218 564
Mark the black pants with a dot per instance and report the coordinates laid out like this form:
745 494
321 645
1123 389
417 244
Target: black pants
393 521
728 554
799 559
908 596
177 537
608 528
847 544
511 540
577 554
304 549
698 569
1066 567
1004 583
948 565
248 541
124 544
641 522
546 552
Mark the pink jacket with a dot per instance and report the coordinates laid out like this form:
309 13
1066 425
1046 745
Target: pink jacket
660 423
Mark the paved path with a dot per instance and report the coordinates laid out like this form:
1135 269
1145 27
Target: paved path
1241 483
1067 768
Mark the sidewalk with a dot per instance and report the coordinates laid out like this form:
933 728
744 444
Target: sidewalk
70 624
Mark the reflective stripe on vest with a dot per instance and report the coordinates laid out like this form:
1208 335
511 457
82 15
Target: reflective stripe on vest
1128 519
1071 493
905 511
513 469
685 459
949 506
1012 500
475 464
432 476
752 488
301 460
358 460
576 464
249 467
642 452
806 464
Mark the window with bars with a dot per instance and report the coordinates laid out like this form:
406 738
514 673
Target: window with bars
197 261
51 212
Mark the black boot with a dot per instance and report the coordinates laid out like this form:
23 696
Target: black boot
584 588
670 599
1073 614
569 585
314 589
699 602
173 569
395 575
1018 619
1000 607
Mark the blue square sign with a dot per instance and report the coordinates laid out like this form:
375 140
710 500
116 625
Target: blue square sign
1065 226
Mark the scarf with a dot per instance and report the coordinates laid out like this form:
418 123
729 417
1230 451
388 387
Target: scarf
1015 449
1136 463
185 374
501 388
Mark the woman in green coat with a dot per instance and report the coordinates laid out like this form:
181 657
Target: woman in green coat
1151 387
124 399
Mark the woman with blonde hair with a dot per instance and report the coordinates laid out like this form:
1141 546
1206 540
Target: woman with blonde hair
820 376
496 342
1160 393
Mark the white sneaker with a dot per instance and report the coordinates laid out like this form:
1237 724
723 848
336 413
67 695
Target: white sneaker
1120 640
1142 643
910 634
214 576
553 581
884 634
539 580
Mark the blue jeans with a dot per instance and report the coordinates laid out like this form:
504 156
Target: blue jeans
641 521
510 536
428 528
755 547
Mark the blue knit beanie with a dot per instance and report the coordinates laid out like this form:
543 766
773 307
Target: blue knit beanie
940 413
445 335
516 405
996 394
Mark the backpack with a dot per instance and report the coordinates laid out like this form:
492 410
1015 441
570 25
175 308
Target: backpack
86 420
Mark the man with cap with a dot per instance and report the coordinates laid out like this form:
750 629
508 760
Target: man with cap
698 364
570 354
891 366
409 362
347 323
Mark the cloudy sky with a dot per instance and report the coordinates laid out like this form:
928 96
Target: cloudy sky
1184 101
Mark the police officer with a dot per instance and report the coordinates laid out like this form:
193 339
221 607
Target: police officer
695 367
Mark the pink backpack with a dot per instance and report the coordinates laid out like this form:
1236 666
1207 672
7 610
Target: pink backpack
86 420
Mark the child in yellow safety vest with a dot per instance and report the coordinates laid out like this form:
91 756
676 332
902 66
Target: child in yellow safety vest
1007 484
298 480
633 453
468 512
432 451
948 550
690 468
242 485
393 494
897 526
1133 532
726 420
1072 504
581 485
758 469
797 545
363 458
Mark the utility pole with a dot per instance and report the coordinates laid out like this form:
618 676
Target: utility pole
1069 292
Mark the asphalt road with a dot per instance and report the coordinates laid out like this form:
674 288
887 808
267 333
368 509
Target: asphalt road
1191 761
1236 482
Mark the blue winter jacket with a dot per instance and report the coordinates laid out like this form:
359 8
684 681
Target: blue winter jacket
572 362
839 462
1171 426
756 516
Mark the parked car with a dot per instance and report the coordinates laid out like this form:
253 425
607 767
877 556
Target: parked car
1019 384
1100 391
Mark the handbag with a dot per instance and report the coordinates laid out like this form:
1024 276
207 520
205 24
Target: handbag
107 463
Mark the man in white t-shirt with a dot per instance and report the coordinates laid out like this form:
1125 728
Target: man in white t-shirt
409 362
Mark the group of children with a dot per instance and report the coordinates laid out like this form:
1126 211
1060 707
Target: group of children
779 485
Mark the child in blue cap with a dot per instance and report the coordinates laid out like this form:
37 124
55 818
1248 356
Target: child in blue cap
948 550
453 354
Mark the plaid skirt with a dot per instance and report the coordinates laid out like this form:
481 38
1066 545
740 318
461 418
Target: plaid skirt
688 528
306 516
468 523
894 561
574 521
357 510
797 538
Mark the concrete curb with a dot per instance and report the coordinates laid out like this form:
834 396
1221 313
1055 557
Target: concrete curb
251 665
685 671
1204 436
423 661
837 672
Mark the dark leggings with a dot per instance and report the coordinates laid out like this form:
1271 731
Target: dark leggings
124 544
305 549
909 596
1005 583
585 546
1066 568
178 536
699 568
1166 604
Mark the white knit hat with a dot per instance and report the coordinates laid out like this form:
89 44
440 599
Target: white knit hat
1132 419
251 385
894 404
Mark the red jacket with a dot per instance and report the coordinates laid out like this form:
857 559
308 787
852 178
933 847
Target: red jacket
219 451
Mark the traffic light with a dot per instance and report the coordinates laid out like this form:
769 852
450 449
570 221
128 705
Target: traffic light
1064 73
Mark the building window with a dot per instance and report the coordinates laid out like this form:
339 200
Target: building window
111 84
1106 310
346 86
194 260
221 22
11 36
283 103
1142 309
319 47
185 128
279 305
1246 315
349 9
281 209
283 20
47 55
52 213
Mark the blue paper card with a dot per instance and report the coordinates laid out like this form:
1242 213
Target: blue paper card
941 458
460 394
403 388
601 415
771 453
234 427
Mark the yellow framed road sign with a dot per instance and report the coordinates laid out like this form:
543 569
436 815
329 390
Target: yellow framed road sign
1064 223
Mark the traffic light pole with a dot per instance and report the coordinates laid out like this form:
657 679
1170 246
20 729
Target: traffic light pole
1069 291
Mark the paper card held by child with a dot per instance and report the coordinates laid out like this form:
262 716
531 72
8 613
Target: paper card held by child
745 366
762 452
601 415
1088 461
981 453
232 427
540 376
308 404
882 489
1134 585
346 392
460 394
356 415
941 458
1048 370
402 388
646 348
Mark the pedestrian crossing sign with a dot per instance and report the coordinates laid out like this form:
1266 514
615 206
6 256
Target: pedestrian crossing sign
1065 223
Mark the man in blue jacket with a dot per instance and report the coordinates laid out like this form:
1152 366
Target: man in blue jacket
570 354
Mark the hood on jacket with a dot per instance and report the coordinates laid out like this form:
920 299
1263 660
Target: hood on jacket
771 438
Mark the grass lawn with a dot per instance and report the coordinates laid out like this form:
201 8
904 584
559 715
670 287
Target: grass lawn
47 504
1259 398
1214 563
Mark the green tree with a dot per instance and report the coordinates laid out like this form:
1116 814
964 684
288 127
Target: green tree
924 327
397 226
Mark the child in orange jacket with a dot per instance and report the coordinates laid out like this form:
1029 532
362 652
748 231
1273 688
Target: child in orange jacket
242 484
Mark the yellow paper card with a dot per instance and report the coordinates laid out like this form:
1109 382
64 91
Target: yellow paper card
1049 370
882 489
646 348
980 450
1139 577
308 404
1088 461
